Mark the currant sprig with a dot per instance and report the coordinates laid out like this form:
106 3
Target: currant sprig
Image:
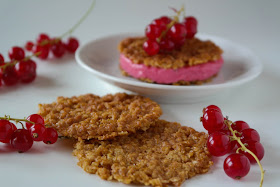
224 135
243 147
22 68
22 139
165 34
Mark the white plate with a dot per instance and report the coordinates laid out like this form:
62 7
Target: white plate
101 58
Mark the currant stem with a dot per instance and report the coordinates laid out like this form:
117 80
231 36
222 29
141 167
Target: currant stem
7 117
13 63
244 148
175 20
69 32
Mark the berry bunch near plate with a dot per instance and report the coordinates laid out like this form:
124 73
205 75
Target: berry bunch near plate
237 139
169 53
21 68
22 139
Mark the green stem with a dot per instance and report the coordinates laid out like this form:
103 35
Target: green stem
175 20
69 32
244 148
6 117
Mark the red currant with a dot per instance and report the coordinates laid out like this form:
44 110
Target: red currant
72 45
213 120
236 166
50 136
6 130
190 24
249 134
26 71
58 49
16 53
239 125
36 118
177 33
212 107
153 31
9 76
29 45
42 38
21 140
166 44
41 51
37 132
151 47
218 144
256 148
162 21
1 58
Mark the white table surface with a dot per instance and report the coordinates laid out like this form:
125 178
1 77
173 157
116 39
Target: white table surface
253 23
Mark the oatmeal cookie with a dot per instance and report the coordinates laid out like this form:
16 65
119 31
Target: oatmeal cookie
166 154
90 116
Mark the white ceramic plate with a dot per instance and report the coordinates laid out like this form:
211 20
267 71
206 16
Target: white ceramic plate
101 58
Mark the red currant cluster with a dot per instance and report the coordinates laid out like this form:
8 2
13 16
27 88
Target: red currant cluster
22 68
226 137
166 34
22 139
44 44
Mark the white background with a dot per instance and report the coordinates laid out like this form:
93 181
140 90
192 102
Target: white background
253 23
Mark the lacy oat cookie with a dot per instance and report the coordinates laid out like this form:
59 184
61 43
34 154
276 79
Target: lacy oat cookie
165 154
90 116
193 52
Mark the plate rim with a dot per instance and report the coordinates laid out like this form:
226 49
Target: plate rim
256 70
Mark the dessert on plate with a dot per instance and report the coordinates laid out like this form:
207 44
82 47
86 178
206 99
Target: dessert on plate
170 54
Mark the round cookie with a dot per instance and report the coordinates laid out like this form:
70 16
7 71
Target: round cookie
90 116
165 154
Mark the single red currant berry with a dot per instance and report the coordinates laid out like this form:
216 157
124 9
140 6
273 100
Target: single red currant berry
16 53
29 45
42 52
213 120
256 148
6 130
37 132
26 71
177 32
218 144
249 134
166 44
43 39
162 21
50 136
190 24
153 31
151 47
72 44
58 49
10 76
1 58
36 118
21 140
239 125
212 107
236 166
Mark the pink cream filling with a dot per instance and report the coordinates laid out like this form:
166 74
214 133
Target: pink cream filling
167 76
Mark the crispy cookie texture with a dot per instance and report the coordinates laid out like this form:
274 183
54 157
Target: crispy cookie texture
193 52
165 154
90 116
